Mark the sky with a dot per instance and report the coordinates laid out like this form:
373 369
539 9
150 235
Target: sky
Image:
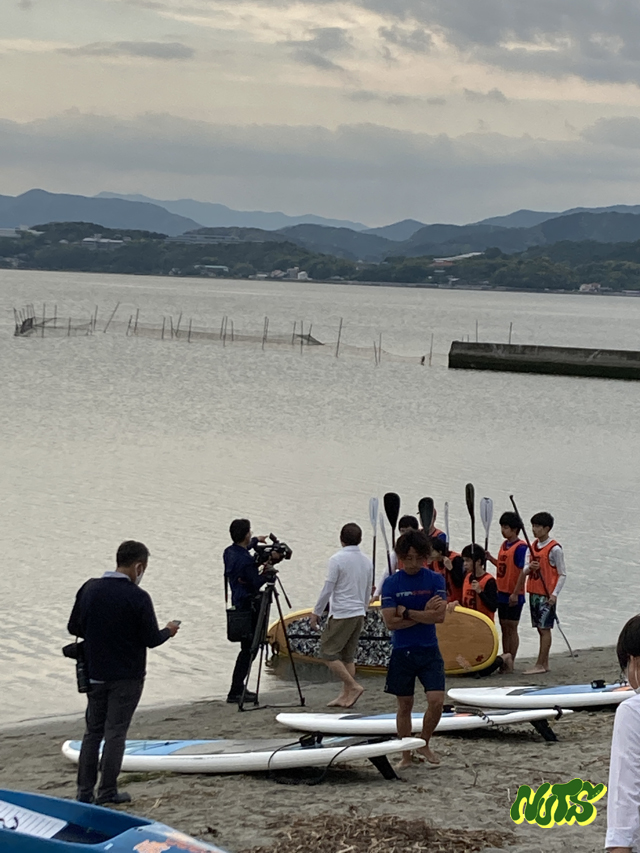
370 110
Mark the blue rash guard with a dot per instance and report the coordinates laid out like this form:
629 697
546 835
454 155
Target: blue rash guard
413 592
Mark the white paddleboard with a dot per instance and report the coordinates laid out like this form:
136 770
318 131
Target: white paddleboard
384 724
244 756
563 695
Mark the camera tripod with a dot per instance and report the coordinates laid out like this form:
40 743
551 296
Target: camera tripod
259 643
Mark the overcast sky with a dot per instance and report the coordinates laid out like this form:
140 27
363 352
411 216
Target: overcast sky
375 110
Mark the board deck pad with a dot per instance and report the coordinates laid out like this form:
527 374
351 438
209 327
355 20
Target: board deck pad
468 640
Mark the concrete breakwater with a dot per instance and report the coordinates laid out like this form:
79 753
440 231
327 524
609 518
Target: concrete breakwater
568 361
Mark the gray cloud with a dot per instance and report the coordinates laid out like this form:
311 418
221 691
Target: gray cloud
367 96
414 39
25 4
324 43
623 131
362 171
146 49
494 95
592 39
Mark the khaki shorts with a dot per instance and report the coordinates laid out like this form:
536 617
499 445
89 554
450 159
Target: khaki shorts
339 639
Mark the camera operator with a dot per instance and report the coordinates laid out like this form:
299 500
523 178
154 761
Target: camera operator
117 621
243 575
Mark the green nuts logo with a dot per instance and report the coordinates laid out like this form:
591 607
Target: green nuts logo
568 803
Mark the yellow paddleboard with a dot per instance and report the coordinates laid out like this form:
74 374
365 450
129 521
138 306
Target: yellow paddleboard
468 641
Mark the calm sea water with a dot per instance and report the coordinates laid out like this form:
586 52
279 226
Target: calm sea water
107 437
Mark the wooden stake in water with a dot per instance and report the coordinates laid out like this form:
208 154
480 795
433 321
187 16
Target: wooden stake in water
222 327
339 336
113 314
135 328
171 322
95 318
265 331
55 316
189 335
164 320
301 335
178 324
293 334
510 331
380 349
44 318
431 350
129 326
232 332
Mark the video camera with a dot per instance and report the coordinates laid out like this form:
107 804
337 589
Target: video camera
273 552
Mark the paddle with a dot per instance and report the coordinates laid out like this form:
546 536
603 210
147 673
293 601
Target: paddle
425 511
470 497
383 530
373 517
528 541
446 522
391 503
486 514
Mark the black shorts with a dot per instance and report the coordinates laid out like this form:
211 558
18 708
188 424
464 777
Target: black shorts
422 662
506 613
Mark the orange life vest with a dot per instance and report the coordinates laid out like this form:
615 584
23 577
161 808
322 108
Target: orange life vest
454 593
471 599
548 574
507 573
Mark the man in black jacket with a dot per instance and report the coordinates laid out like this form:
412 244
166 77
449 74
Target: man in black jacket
117 621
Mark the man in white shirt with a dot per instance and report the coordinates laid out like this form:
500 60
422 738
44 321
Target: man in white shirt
623 798
347 591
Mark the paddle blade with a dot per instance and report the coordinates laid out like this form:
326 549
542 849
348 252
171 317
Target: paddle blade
373 514
486 513
446 522
392 508
470 497
425 511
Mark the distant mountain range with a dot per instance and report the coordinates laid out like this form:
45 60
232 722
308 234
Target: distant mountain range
515 232
219 215
37 207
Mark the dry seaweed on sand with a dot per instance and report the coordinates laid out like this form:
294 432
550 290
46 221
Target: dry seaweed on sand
358 833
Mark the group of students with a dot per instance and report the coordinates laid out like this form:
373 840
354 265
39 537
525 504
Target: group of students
540 572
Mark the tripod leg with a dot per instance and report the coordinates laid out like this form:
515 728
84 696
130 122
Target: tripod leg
258 640
290 653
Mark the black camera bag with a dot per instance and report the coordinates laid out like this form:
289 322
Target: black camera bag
239 625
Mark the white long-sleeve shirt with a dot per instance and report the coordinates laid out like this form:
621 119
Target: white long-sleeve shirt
623 793
556 558
347 589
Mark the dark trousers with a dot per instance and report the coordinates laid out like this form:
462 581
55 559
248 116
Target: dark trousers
110 707
243 662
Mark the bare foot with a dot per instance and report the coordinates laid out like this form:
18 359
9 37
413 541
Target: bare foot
536 670
405 761
352 697
428 755
338 703
507 663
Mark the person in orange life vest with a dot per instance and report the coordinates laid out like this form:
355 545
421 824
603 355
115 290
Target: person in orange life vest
450 565
435 532
510 580
406 523
546 575
480 592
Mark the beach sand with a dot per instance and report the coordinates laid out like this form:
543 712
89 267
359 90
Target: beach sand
473 788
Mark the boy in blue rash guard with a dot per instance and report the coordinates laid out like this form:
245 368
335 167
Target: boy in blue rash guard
414 600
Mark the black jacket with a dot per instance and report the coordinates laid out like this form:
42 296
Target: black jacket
118 623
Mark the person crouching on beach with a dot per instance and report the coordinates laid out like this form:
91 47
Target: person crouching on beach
546 575
510 579
347 591
413 602
480 593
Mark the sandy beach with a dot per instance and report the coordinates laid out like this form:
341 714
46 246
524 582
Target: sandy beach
472 789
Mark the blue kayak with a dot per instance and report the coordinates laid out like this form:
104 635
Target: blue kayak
33 823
